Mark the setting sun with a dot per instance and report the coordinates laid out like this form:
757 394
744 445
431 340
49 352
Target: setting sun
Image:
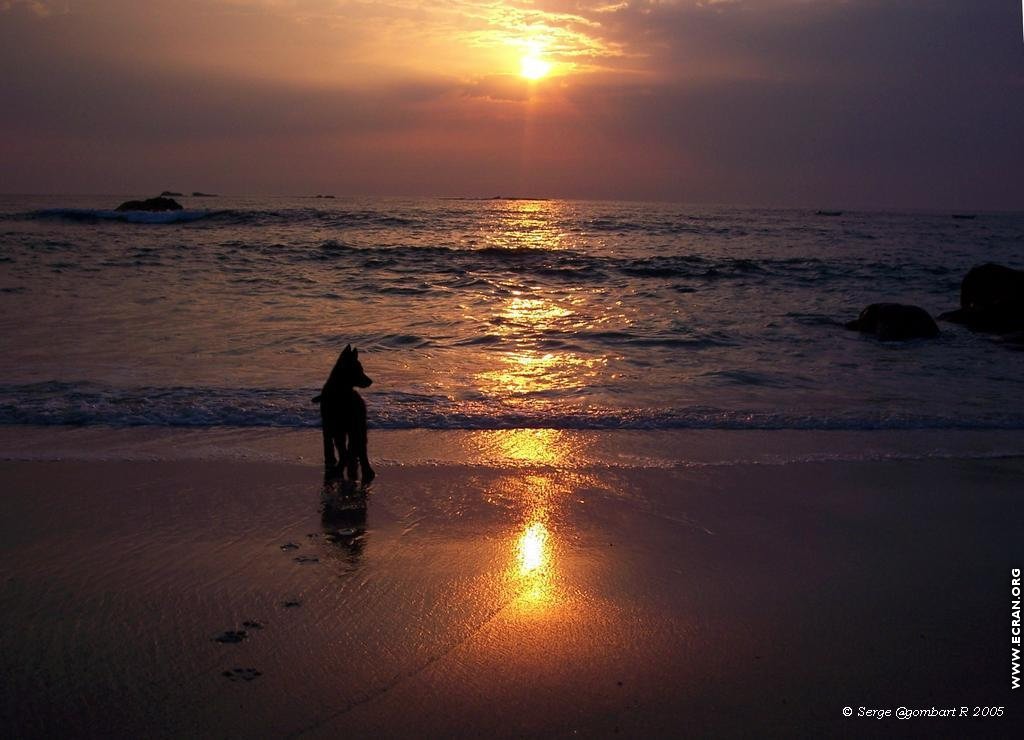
532 67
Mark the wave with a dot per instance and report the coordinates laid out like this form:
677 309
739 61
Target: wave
423 241
665 226
97 215
575 265
370 268
91 404
227 216
341 217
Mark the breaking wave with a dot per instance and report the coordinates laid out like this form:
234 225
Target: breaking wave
91 404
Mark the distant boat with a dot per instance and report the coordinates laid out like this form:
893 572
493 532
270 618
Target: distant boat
170 194
197 194
965 216
331 197
830 213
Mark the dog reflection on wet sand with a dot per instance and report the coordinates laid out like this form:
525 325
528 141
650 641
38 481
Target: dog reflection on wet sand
343 416
343 516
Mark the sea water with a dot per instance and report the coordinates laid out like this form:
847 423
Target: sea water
493 314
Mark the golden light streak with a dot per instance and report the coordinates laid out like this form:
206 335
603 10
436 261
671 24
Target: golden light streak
547 447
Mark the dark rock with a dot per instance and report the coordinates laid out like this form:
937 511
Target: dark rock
197 194
170 194
150 204
895 322
991 299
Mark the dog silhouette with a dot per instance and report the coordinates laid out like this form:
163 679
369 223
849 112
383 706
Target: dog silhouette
343 417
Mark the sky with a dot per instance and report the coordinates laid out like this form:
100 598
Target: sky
827 103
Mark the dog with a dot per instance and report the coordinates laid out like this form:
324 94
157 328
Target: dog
343 417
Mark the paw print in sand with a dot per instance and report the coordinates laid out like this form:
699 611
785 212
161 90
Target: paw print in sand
242 674
231 636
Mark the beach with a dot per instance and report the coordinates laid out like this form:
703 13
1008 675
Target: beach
550 592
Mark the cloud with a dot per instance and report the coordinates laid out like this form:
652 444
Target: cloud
499 87
38 8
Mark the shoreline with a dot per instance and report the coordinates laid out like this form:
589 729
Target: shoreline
533 598
501 448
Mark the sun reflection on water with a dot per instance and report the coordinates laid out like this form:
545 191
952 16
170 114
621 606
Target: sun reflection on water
531 319
530 224
527 370
549 448
536 501
535 368
532 374
536 313
532 544
533 569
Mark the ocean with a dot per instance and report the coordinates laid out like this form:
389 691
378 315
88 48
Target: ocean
493 314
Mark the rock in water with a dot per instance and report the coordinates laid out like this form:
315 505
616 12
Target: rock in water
991 299
150 204
895 322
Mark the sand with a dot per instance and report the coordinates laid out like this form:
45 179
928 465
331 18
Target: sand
727 600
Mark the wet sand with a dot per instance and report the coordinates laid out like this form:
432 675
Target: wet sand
211 598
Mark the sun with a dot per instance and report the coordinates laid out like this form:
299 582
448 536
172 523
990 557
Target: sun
532 67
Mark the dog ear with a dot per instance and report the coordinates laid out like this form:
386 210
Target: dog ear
347 350
355 354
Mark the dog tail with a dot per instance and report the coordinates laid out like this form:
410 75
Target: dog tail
317 399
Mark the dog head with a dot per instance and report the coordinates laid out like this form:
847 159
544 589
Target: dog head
348 371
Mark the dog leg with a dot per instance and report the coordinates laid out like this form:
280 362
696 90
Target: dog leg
366 471
329 460
350 459
368 474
